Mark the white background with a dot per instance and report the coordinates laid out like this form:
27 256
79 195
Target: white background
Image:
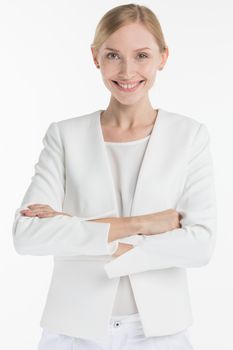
47 74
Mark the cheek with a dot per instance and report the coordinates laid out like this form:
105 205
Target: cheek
108 71
108 65
149 71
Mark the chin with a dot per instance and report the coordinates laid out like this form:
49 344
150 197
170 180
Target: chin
128 101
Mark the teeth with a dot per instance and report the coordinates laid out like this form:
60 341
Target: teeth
128 86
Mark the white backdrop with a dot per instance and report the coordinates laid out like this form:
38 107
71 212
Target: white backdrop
47 74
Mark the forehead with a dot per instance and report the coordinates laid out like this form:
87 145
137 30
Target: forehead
131 37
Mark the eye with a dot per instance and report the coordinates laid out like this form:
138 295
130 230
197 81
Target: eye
143 54
109 54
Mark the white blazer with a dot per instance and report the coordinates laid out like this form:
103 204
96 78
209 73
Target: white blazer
73 175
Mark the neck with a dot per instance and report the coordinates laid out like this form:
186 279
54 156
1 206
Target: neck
128 116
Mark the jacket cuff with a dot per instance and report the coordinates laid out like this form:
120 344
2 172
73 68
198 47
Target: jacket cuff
133 261
110 247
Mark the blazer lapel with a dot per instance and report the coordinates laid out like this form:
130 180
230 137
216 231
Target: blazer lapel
161 176
147 170
89 178
105 170
147 185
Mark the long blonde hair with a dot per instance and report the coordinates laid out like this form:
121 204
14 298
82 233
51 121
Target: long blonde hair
121 15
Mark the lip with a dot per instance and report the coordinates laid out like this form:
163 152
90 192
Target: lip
130 89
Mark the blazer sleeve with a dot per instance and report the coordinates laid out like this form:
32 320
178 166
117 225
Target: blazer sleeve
191 245
58 235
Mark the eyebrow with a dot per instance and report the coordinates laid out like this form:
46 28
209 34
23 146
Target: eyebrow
143 48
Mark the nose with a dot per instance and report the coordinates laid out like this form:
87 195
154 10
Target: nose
127 68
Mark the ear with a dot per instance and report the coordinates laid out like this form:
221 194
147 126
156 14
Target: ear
94 58
164 57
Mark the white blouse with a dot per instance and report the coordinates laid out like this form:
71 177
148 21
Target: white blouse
125 159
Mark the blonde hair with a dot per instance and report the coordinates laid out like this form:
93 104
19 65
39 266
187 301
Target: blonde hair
121 15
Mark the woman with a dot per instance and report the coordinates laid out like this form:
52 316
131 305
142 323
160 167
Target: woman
124 200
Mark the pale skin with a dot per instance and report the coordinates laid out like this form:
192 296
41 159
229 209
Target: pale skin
129 116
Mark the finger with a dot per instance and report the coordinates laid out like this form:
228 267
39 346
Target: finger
39 210
32 206
28 213
51 213
46 215
39 213
34 211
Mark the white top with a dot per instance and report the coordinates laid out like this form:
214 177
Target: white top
125 160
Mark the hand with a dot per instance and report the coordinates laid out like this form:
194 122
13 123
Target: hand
123 248
160 222
41 210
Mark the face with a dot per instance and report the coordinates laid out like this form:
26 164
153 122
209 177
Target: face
129 60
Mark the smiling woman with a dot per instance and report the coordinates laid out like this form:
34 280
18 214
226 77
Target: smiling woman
129 69
124 200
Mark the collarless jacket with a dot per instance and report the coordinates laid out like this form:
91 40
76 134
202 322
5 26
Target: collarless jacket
73 175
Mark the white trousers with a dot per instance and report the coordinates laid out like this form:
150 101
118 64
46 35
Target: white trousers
125 333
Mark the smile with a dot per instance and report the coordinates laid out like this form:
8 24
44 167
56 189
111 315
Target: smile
128 87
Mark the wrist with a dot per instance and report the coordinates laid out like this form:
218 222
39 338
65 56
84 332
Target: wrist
138 224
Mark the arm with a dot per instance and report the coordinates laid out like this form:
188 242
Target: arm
130 228
58 235
191 245
124 227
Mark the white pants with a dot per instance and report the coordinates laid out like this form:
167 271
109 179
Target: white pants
125 332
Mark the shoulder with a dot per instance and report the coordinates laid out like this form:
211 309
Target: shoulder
75 125
183 125
79 120
175 119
